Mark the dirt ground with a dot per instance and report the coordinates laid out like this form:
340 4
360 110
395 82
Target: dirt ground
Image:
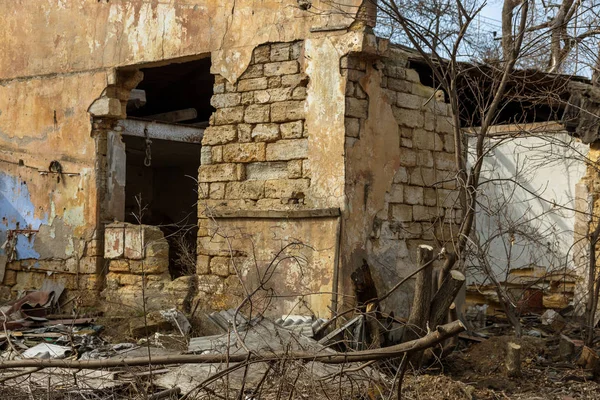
478 373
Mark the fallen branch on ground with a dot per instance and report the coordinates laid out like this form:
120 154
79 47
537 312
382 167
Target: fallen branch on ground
441 333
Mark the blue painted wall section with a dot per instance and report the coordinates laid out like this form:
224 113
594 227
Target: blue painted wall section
18 212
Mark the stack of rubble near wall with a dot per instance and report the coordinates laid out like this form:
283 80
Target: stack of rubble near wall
138 267
254 156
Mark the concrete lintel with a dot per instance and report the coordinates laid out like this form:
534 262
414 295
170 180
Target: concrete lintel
161 130
277 214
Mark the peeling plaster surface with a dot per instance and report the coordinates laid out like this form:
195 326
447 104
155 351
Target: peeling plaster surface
371 164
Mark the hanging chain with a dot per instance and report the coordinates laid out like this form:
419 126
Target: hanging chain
148 158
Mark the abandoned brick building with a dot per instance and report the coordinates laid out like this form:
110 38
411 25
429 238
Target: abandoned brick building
239 128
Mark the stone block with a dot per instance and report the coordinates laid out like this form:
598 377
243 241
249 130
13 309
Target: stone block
206 155
287 111
247 98
265 132
202 264
424 213
244 132
273 95
150 265
266 170
408 118
280 52
216 154
422 177
220 266
274 82
401 212
296 50
221 173
424 158
423 139
410 101
244 152
262 54
294 80
412 75
253 71
448 141
294 169
408 157
210 284
444 161
287 150
118 265
247 85
253 190
219 135
94 248
413 195
157 248
230 115
292 130
306 172
256 114
134 242
430 197
357 108
225 100
90 265
399 85
396 194
10 278
286 188
401 175
219 88
114 241
217 190
281 68
106 107
300 93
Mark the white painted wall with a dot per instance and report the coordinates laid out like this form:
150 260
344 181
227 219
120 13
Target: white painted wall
538 207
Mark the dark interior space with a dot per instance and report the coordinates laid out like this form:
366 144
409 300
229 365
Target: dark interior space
167 193
531 96
176 87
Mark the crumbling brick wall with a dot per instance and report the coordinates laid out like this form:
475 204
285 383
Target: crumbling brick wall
400 170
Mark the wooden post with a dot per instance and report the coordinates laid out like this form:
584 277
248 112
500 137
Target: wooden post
440 304
513 359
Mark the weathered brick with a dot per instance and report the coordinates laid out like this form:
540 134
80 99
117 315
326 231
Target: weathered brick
422 177
423 139
294 169
266 170
396 194
429 197
206 155
424 213
296 50
150 265
246 85
244 152
444 161
408 143
274 82
256 114
285 188
220 266
217 190
216 154
221 172
287 150
444 125
265 132
225 100
292 130
219 135
120 265
401 212
412 75
247 98
287 111
410 101
424 158
352 127
280 52
244 132
281 68
408 118
273 95
226 116
408 157
401 175
399 85
262 54
253 71
357 108
413 195
294 80
299 93
253 190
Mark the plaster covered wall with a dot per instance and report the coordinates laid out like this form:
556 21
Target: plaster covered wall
58 58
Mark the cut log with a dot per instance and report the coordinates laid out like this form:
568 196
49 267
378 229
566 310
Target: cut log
513 359
443 299
419 314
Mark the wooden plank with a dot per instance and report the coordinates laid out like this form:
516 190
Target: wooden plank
277 214
174 116
161 130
